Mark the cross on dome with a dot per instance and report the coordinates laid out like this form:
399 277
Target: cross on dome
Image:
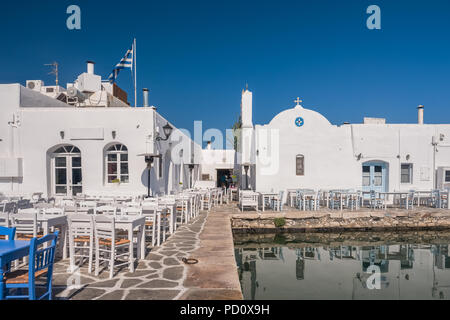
298 101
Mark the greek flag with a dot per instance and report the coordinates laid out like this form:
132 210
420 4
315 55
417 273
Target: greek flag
126 62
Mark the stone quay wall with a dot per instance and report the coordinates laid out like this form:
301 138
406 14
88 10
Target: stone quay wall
336 221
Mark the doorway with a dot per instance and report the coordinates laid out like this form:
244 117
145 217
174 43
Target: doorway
67 171
222 175
374 176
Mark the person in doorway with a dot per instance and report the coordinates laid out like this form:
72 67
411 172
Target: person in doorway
223 181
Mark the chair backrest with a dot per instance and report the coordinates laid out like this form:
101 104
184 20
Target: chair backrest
54 211
25 223
105 228
109 210
66 202
150 201
131 211
24 204
29 210
4 220
42 257
80 225
9 207
87 204
9 233
133 204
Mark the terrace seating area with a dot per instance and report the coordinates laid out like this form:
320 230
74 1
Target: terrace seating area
338 199
107 233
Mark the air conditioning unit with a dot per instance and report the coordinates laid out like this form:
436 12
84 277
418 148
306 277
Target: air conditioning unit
35 85
89 83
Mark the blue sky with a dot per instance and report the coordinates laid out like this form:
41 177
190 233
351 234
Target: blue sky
197 56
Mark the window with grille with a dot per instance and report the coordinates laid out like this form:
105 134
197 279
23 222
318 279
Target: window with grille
300 165
406 173
447 176
117 164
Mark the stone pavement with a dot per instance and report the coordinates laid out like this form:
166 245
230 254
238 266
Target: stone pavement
162 275
215 277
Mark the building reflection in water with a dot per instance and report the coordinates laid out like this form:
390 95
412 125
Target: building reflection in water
407 272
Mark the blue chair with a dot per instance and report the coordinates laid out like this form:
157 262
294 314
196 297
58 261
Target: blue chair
41 264
7 233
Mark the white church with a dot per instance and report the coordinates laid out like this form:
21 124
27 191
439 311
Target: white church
86 138
301 149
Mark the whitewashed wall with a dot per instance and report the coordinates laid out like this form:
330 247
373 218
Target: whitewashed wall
331 152
91 130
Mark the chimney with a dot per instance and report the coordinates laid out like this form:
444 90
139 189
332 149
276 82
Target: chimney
145 92
421 114
90 67
247 109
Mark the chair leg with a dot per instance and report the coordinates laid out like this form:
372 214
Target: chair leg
72 256
111 263
91 255
97 259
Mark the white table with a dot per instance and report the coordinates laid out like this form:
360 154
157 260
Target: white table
269 196
400 194
47 222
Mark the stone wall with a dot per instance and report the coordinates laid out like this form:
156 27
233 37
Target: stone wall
424 219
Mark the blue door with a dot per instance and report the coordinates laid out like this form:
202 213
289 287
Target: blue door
374 175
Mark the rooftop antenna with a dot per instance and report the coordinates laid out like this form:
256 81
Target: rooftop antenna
54 71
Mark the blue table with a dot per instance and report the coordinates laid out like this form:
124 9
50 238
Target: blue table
10 251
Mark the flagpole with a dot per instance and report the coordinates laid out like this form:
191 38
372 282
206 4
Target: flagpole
135 77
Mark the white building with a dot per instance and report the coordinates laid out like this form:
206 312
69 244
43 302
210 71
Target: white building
300 148
87 139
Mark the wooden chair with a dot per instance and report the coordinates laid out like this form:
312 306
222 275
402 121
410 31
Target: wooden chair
277 203
109 248
249 199
53 211
150 213
7 233
41 265
26 225
5 220
376 202
81 239
106 210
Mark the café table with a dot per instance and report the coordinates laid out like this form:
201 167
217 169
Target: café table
9 252
269 196
47 222
395 194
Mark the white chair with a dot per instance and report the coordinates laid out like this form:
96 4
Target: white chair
150 213
206 201
277 203
81 239
54 211
91 204
4 220
107 210
109 248
248 199
131 211
26 225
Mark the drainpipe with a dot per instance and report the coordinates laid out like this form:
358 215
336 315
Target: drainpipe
435 144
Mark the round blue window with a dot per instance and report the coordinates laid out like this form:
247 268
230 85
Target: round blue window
299 122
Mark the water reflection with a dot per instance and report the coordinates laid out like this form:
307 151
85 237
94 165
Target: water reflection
300 270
